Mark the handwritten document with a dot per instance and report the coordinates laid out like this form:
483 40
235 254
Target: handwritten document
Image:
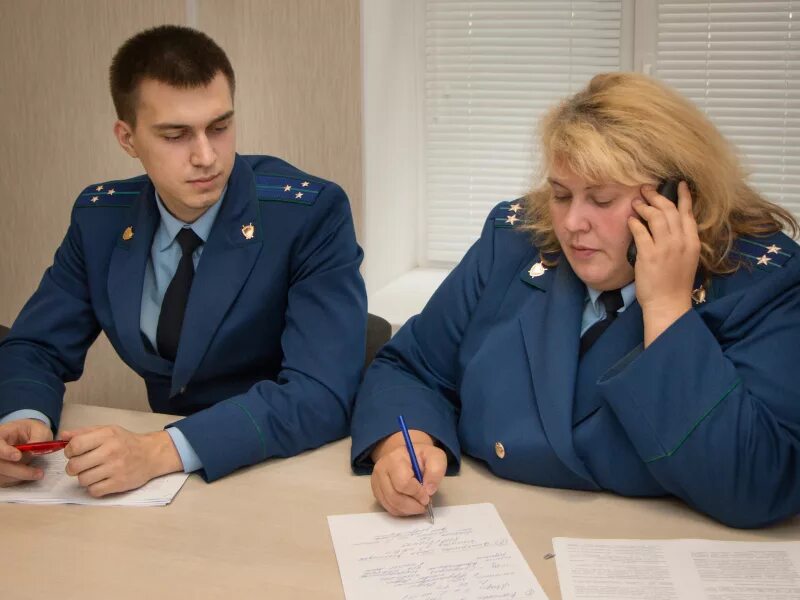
467 554
677 569
56 487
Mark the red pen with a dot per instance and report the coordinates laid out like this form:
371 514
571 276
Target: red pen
42 447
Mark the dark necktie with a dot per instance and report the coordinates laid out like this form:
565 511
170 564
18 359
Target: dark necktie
174 305
612 300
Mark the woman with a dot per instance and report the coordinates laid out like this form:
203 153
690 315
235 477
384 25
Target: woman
691 388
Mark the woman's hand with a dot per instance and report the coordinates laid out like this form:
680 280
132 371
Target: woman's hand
393 481
667 258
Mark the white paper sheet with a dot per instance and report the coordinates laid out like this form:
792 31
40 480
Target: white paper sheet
56 487
466 554
677 569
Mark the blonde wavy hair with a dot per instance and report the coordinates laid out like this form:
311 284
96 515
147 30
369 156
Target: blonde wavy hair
631 129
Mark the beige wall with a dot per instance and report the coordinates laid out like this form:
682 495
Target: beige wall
299 97
298 72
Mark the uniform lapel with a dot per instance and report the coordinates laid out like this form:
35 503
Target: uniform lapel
225 265
551 330
126 279
624 334
622 337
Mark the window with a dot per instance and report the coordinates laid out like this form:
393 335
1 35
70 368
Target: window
453 89
492 69
740 62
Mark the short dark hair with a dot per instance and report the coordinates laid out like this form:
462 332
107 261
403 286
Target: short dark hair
178 56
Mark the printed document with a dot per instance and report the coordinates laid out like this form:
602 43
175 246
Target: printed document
56 487
466 554
677 569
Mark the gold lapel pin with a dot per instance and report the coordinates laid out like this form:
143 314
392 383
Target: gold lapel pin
127 234
537 270
248 231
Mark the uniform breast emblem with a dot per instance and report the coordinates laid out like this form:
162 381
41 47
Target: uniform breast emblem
537 270
248 231
699 295
127 234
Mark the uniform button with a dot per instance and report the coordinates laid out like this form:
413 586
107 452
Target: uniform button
182 390
500 450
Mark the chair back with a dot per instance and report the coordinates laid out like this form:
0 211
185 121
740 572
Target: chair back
378 333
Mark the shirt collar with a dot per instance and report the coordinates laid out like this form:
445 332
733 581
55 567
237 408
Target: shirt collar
170 226
628 296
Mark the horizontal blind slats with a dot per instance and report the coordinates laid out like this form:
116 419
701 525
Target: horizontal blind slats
492 69
739 61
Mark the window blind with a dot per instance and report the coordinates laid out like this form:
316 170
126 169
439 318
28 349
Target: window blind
492 68
740 62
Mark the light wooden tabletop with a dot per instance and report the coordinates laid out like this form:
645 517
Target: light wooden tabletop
262 532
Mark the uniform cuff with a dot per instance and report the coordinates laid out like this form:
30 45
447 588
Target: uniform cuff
191 462
26 413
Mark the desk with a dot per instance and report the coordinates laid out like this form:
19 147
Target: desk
262 532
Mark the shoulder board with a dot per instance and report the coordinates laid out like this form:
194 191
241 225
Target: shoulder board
508 215
763 254
283 188
112 193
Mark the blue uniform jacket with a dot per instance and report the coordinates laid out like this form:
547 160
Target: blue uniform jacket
272 344
710 412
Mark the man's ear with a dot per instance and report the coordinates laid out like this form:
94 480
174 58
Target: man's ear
124 134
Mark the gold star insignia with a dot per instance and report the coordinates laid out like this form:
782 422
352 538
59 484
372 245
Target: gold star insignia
764 260
537 270
512 219
515 207
99 188
298 195
111 192
773 249
94 199
305 184
287 188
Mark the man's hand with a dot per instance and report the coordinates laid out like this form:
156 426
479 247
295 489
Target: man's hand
111 459
393 481
13 463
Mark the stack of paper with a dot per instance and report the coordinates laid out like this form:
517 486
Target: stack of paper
467 554
677 569
56 487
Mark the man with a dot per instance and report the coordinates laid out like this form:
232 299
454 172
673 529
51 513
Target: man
229 283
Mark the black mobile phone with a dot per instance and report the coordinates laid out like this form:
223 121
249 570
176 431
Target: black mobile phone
667 188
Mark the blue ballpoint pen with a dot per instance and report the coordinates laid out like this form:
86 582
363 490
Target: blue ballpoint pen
414 464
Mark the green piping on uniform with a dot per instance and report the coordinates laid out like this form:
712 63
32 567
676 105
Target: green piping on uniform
104 206
258 429
756 258
22 380
287 201
755 243
696 425
112 195
282 189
